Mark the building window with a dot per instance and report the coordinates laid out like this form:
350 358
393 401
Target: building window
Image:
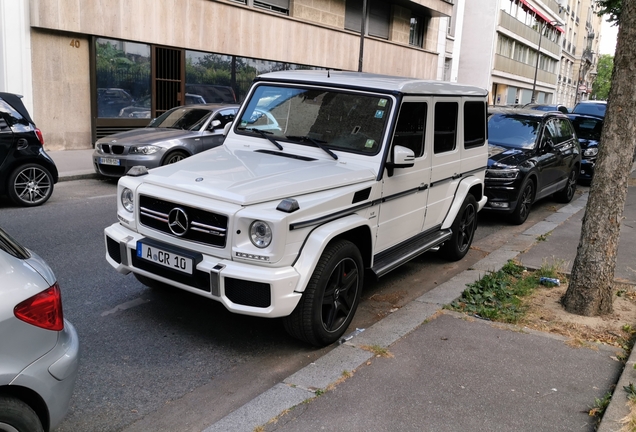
378 20
280 6
123 79
416 35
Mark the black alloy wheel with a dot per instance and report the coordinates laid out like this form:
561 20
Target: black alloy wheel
566 194
463 229
521 212
331 297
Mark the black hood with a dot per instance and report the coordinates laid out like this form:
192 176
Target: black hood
507 156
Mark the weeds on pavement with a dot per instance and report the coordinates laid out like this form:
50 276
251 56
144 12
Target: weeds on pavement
497 296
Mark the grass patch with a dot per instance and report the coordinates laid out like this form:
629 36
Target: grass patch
600 405
498 295
377 350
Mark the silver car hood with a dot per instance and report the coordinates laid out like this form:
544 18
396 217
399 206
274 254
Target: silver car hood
247 177
147 136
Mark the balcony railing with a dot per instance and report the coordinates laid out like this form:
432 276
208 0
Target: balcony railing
517 27
508 65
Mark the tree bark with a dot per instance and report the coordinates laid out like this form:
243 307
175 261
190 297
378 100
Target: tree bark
590 289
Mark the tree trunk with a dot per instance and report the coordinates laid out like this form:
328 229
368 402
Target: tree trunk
590 290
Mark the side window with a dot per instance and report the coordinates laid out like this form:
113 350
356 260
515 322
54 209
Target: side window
550 132
565 131
474 124
411 127
445 127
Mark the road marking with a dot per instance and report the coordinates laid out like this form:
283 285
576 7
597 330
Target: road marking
124 306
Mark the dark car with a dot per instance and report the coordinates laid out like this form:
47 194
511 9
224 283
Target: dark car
588 130
591 107
27 173
548 107
533 154
175 135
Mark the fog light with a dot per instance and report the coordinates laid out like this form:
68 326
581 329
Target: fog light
499 204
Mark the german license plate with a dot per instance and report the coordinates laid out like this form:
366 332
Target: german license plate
164 258
109 161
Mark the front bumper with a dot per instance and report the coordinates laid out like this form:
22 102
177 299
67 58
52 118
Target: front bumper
125 163
242 288
501 198
587 170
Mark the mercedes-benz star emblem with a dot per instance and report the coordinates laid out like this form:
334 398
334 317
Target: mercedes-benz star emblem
178 221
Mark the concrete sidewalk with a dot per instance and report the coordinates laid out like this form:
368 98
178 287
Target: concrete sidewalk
73 164
450 372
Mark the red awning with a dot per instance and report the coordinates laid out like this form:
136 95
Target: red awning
540 15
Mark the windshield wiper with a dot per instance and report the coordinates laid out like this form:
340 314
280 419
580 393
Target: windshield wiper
264 134
317 143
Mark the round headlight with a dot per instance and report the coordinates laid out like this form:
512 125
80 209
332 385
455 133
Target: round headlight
128 200
260 234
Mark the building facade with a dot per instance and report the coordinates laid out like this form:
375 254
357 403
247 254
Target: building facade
525 51
88 69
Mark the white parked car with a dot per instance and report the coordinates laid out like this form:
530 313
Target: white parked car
39 349
360 172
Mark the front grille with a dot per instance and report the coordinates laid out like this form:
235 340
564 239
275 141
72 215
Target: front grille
248 293
203 226
113 149
112 170
113 250
199 279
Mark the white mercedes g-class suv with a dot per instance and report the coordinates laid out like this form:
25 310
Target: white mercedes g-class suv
323 176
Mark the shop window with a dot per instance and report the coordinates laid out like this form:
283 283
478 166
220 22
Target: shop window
123 79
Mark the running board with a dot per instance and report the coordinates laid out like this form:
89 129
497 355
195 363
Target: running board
394 257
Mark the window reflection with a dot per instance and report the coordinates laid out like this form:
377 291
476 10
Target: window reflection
123 79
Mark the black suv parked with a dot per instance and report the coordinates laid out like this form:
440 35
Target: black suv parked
588 130
532 154
27 173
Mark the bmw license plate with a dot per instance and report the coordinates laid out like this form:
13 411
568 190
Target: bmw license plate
164 258
109 161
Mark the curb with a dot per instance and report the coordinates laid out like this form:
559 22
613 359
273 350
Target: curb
77 176
327 371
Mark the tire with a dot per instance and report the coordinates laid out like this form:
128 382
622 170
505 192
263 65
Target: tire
30 185
463 229
15 415
174 157
526 198
331 297
151 283
566 194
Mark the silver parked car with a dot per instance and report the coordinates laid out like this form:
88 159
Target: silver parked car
175 135
39 349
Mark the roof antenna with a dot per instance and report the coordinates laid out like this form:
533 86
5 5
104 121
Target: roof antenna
328 74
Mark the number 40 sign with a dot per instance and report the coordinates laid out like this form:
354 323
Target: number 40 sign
75 43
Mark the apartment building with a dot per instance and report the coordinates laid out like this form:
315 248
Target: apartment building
526 51
579 51
90 68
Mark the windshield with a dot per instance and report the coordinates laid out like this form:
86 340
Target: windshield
330 119
181 118
513 131
597 109
587 128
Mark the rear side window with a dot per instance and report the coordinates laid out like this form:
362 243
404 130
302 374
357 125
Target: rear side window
565 131
11 116
445 127
411 127
474 124
12 247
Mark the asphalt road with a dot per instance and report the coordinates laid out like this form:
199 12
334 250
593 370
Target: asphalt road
170 360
